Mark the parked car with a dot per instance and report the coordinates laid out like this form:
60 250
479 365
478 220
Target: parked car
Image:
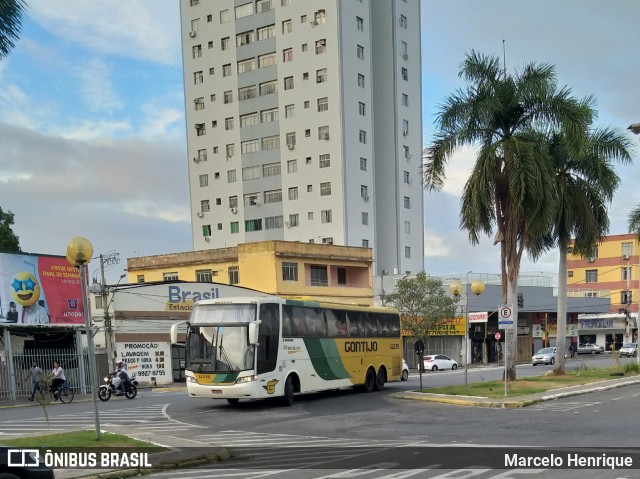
433 362
629 349
588 348
35 470
544 356
405 371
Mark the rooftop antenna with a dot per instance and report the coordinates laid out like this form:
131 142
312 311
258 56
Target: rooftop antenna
504 59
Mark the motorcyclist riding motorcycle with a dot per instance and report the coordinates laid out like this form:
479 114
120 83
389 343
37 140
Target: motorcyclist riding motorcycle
121 379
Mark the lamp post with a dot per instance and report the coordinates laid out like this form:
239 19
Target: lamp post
79 251
635 129
477 288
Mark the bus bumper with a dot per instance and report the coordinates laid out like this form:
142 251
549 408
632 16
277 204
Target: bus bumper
224 391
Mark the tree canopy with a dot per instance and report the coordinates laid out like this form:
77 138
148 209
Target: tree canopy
9 242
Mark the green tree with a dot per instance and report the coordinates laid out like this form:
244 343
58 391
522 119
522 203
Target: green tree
634 221
9 242
422 303
11 13
585 182
504 115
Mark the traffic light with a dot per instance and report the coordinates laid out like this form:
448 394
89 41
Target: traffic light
520 300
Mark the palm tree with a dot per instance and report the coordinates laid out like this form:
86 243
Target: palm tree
585 182
634 221
11 12
503 115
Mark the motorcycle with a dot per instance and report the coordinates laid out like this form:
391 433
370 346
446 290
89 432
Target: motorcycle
112 386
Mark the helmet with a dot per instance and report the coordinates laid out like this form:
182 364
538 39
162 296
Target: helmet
119 362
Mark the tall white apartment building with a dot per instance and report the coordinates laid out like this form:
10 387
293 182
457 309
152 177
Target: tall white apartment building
304 124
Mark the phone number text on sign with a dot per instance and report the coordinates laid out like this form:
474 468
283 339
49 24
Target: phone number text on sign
147 359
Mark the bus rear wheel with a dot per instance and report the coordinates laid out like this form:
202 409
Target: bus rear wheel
233 401
380 379
289 390
369 381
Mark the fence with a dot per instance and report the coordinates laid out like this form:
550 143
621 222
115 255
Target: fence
76 369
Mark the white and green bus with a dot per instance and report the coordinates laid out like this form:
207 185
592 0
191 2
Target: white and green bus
265 347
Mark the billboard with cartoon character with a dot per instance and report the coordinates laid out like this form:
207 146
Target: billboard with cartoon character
39 289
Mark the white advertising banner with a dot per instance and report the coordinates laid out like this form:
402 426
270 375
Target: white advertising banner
149 361
481 317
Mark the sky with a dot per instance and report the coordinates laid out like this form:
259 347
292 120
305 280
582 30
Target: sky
92 127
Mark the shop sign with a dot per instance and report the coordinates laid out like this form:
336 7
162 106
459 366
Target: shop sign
149 361
481 317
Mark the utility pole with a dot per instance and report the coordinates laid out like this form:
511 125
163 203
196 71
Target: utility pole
107 317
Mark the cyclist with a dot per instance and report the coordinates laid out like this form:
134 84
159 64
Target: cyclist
58 378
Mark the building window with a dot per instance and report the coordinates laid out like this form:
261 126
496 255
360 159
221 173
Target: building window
321 75
288 111
360 80
407 227
407 178
204 181
233 201
342 276
202 155
228 97
289 271
570 274
304 47
249 119
405 74
249 146
210 46
199 103
287 27
360 24
363 164
271 169
292 166
325 161
310 217
230 150
251 172
204 206
405 127
235 227
404 50
319 17
170 276
206 230
267 60
293 193
204 275
288 83
362 137
195 24
303 19
243 66
365 218
245 38
407 251
287 55
323 104
361 108
407 155
234 276
193 3
405 99
196 51
228 123
360 52
267 32
212 97
267 116
407 203
224 16
200 129
284 3
273 223
625 273
321 46
325 189
627 249
323 132
403 21
273 196
140 278
319 275
270 142
291 140
263 6
591 276
253 225
244 10
325 216
198 77
625 297
365 243
294 220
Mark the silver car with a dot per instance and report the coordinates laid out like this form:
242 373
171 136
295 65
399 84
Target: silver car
544 356
629 349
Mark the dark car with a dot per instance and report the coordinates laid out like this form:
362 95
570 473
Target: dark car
16 470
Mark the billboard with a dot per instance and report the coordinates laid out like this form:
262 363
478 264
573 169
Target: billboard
39 289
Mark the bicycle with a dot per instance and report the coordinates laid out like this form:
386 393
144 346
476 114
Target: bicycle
46 396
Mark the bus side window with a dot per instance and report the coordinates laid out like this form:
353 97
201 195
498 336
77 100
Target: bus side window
316 325
336 323
371 324
298 327
287 319
356 328
394 325
383 325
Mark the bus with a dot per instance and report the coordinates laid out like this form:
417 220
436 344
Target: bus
266 347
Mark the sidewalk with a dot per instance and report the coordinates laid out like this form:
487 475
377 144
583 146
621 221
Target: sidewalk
518 401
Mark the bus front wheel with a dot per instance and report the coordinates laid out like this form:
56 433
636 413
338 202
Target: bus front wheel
287 399
380 379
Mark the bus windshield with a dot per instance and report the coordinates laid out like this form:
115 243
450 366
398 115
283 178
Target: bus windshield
218 338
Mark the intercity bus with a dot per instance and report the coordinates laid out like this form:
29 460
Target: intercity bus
265 347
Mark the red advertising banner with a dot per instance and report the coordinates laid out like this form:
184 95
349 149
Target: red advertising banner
38 289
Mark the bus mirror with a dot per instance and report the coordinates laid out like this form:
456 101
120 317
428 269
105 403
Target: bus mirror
174 331
253 333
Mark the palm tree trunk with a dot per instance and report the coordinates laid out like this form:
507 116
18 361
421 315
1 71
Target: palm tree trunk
511 335
561 335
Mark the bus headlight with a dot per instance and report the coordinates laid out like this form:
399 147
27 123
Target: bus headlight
191 379
245 379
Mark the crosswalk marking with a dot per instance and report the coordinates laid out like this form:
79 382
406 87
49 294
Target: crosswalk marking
563 406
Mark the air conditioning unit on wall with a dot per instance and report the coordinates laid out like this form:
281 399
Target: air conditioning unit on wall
207 238
192 34
234 210
200 214
625 256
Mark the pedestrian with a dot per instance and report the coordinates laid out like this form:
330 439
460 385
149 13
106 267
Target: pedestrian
35 373
572 350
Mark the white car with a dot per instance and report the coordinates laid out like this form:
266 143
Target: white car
544 356
405 371
629 349
433 362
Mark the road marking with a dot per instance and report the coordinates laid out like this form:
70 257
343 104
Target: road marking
561 407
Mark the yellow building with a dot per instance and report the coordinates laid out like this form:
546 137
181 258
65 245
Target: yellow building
289 269
613 272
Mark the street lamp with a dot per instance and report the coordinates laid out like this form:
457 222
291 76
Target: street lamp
79 251
635 129
477 288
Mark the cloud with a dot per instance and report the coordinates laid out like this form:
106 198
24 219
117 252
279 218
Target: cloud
96 87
